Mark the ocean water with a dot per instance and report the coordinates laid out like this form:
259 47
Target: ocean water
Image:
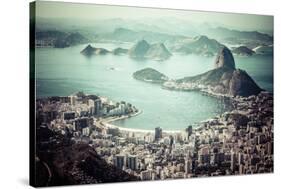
65 71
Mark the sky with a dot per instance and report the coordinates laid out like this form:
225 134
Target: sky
47 9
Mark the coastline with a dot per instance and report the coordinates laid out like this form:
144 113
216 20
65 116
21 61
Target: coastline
107 123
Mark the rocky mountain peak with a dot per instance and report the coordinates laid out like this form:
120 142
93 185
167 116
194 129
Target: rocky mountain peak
139 49
89 47
142 43
225 59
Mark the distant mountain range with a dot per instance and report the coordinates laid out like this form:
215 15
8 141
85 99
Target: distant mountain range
127 35
221 33
201 45
169 25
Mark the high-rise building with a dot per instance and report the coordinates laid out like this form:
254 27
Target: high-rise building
132 162
146 175
72 100
189 130
81 123
241 169
97 106
86 131
158 133
68 115
119 161
233 160
91 104
240 158
188 164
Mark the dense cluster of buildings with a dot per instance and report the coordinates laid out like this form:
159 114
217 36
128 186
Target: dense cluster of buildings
236 142
78 113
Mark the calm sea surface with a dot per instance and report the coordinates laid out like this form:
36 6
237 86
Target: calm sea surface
65 71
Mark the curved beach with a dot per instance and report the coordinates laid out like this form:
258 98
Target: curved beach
107 122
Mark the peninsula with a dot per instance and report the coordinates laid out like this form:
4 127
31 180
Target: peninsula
223 80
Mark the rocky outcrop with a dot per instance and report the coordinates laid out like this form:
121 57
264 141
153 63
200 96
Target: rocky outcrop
89 51
224 33
143 50
224 80
242 84
158 52
225 59
139 50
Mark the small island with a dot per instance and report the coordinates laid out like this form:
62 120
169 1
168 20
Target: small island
243 51
143 50
150 75
120 51
89 51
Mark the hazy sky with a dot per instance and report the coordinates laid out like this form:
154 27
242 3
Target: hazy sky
91 11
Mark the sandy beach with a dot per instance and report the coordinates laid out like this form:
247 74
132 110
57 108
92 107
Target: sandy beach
107 122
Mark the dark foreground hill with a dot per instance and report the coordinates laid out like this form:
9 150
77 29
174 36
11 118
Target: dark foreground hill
61 161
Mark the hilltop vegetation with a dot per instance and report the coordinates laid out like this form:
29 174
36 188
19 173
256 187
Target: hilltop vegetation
150 75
